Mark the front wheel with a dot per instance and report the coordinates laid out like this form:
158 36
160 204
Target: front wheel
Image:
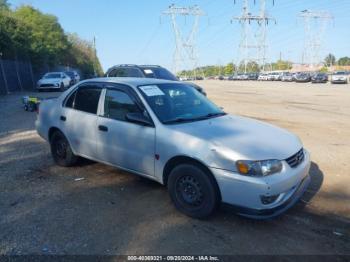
193 190
61 151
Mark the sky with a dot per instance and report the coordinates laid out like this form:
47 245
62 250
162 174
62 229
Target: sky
136 32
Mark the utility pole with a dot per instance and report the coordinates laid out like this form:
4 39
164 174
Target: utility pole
185 47
315 24
253 46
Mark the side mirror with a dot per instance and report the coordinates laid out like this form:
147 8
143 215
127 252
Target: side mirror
139 118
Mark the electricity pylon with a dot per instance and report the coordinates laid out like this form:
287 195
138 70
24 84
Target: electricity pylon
253 45
185 47
315 24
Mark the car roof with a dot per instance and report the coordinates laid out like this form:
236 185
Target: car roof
132 65
132 81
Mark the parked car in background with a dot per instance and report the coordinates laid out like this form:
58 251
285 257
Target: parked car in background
243 76
303 78
294 75
54 80
199 78
278 76
263 77
253 76
168 132
271 77
319 78
74 76
146 71
287 77
340 77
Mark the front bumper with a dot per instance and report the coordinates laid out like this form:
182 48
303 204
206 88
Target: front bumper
319 81
244 193
339 81
48 86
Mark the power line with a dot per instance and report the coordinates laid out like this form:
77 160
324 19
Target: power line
315 23
253 45
185 47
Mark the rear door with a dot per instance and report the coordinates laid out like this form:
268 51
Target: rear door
79 119
120 142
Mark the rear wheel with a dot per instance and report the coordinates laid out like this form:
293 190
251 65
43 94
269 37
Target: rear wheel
61 151
193 190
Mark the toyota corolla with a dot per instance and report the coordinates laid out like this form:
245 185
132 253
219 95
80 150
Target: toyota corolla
171 133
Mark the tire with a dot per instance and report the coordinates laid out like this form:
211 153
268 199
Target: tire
193 190
62 87
61 151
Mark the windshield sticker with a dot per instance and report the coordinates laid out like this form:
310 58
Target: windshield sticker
148 71
152 90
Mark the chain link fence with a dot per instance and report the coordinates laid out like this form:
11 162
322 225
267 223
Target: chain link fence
18 76
15 76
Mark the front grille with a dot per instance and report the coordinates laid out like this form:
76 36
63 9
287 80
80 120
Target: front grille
296 159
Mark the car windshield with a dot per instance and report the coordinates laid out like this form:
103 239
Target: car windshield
53 75
340 73
179 103
159 73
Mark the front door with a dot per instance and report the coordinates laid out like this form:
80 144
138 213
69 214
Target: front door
120 142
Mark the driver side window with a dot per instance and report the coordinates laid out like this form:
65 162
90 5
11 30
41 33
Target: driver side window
118 104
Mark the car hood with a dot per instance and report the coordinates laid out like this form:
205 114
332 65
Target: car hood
50 81
238 137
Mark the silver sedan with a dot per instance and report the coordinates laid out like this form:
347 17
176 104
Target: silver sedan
171 133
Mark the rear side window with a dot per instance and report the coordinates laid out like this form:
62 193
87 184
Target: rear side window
125 72
118 104
70 100
86 99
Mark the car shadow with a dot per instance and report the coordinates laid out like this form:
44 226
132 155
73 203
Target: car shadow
317 178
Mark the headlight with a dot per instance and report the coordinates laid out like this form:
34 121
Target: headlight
57 84
259 168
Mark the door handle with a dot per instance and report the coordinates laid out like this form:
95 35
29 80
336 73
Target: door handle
103 128
63 118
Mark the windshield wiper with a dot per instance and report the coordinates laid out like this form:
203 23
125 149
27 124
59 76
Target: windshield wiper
183 120
179 120
211 115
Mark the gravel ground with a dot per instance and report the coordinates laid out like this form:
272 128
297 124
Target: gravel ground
96 209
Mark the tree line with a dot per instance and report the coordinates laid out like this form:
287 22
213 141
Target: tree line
28 34
252 67
331 60
231 68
